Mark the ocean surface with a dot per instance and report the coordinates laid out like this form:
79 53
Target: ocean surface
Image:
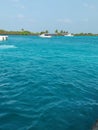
48 84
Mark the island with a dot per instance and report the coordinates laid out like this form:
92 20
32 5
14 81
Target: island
56 33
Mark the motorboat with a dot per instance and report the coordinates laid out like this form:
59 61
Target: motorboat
45 36
69 35
3 38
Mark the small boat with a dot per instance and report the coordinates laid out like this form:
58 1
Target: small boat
69 35
2 38
45 36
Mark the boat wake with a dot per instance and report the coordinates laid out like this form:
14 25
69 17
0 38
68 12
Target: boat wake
7 46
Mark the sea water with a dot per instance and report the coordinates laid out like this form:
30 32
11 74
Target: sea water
48 83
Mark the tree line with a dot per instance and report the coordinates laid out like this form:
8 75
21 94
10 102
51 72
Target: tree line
56 32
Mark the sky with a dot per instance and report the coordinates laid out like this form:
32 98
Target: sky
74 16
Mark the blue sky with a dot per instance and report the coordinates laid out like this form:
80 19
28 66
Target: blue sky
38 15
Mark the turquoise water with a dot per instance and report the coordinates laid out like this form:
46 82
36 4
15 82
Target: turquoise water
48 84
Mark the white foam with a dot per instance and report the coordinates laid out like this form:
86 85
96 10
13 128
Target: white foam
7 46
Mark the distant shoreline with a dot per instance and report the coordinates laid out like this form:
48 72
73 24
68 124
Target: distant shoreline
56 33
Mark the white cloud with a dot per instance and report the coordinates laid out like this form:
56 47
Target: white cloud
65 21
15 0
90 6
20 16
85 20
22 7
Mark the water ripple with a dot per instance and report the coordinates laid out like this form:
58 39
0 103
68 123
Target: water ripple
7 46
48 85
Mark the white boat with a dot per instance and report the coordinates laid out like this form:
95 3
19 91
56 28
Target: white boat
45 36
69 35
2 38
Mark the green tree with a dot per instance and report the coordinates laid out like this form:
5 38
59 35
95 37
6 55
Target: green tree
61 31
22 30
56 31
46 31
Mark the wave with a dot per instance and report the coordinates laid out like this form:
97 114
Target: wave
7 46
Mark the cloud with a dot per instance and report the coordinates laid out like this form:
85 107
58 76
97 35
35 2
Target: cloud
15 0
90 6
20 16
85 20
17 4
64 21
22 7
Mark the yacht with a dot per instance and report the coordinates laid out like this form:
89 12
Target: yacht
69 35
2 38
45 36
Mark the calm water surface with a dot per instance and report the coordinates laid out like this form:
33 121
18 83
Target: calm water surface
48 84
